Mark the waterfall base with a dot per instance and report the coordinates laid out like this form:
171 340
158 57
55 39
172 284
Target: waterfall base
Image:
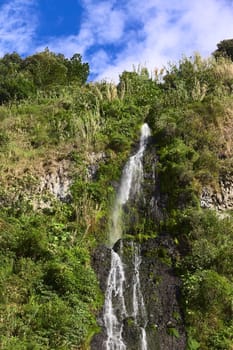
160 288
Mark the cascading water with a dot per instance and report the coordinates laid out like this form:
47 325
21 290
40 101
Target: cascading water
130 185
114 299
139 310
115 306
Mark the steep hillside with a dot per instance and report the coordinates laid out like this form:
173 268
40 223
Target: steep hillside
63 144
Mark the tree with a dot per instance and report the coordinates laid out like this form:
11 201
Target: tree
77 71
14 84
224 49
12 58
46 69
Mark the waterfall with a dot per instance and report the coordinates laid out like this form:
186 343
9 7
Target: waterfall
115 306
139 310
130 185
115 302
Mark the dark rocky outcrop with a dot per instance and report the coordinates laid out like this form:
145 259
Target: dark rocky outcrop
160 288
101 262
159 284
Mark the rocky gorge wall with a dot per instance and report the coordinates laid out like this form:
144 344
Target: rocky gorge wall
160 288
159 284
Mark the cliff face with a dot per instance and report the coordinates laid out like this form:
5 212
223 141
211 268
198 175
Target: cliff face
161 263
50 180
220 196
221 199
159 285
160 289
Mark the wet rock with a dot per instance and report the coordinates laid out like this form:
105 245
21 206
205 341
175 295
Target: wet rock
160 289
131 334
101 262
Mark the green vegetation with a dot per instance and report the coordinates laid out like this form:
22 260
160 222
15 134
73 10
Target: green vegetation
193 130
50 116
20 78
224 48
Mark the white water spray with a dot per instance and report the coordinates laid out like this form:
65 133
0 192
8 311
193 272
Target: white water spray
130 185
115 308
114 299
144 340
139 310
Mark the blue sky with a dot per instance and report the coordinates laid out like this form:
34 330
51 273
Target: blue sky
115 35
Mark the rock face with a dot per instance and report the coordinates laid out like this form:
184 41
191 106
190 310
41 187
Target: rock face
160 289
101 262
93 163
220 200
50 180
55 180
162 317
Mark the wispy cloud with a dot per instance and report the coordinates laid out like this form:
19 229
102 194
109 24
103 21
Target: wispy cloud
102 24
105 21
170 30
17 26
114 35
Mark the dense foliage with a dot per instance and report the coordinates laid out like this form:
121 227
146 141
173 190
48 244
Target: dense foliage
48 115
49 292
193 131
21 78
224 48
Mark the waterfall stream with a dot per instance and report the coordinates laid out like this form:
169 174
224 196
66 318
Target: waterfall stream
114 301
115 311
139 310
130 185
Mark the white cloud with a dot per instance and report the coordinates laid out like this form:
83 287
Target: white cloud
17 26
102 24
104 21
149 33
114 35
171 29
